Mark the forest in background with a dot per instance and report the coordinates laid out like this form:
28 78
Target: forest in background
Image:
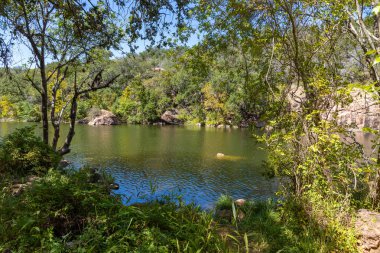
289 64
210 88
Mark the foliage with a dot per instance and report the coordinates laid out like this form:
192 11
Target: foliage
204 88
289 64
6 108
66 213
137 104
23 153
224 202
273 226
323 177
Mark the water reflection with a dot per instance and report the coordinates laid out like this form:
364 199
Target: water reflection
174 159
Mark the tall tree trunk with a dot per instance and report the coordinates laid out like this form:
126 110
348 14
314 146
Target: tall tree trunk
44 104
55 136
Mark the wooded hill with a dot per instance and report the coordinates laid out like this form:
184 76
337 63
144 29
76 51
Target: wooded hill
201 87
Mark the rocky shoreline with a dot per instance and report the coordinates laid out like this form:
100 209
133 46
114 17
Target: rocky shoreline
362 112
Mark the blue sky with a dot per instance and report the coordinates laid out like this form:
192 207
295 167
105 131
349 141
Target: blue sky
21 53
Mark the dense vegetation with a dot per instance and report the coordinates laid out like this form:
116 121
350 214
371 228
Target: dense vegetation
46 208
288 65
210 90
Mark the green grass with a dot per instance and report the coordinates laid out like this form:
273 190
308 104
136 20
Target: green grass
73 211
270 227
224 202
65 213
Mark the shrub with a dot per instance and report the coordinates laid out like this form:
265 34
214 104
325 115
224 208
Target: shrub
65 212
23 153
224 202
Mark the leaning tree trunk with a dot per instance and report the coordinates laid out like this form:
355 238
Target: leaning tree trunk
73 115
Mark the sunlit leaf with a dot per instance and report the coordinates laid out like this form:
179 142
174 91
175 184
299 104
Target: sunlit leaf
377 60
376 10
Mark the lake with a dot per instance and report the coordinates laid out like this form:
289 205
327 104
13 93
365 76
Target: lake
151 161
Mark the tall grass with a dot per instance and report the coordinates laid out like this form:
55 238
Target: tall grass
63 212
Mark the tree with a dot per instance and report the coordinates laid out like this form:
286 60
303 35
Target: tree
57 31
363 24
62 33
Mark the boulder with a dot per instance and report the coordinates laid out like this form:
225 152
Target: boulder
105 118
171 117
367 227
240 202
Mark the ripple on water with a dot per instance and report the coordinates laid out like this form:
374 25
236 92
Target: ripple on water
172 160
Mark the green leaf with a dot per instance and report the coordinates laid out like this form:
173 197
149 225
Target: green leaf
377 60
371 52
376 10
246 242
369 130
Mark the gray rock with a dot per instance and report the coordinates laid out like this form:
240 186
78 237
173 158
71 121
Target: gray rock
171 117
363 111
367 227
240 202
105 118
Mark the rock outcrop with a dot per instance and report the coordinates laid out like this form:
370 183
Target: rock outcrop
367 227
105 118
171 117
363 111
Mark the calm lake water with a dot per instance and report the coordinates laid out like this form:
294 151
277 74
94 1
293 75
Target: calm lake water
171 160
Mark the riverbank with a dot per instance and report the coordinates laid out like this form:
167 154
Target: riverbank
64 211
158 123
75 211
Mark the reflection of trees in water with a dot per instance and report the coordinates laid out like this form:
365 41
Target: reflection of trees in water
175 159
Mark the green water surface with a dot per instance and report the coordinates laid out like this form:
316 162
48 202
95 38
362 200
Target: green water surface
171 160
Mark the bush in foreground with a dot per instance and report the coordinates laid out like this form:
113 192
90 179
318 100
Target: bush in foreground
23 153
64 212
